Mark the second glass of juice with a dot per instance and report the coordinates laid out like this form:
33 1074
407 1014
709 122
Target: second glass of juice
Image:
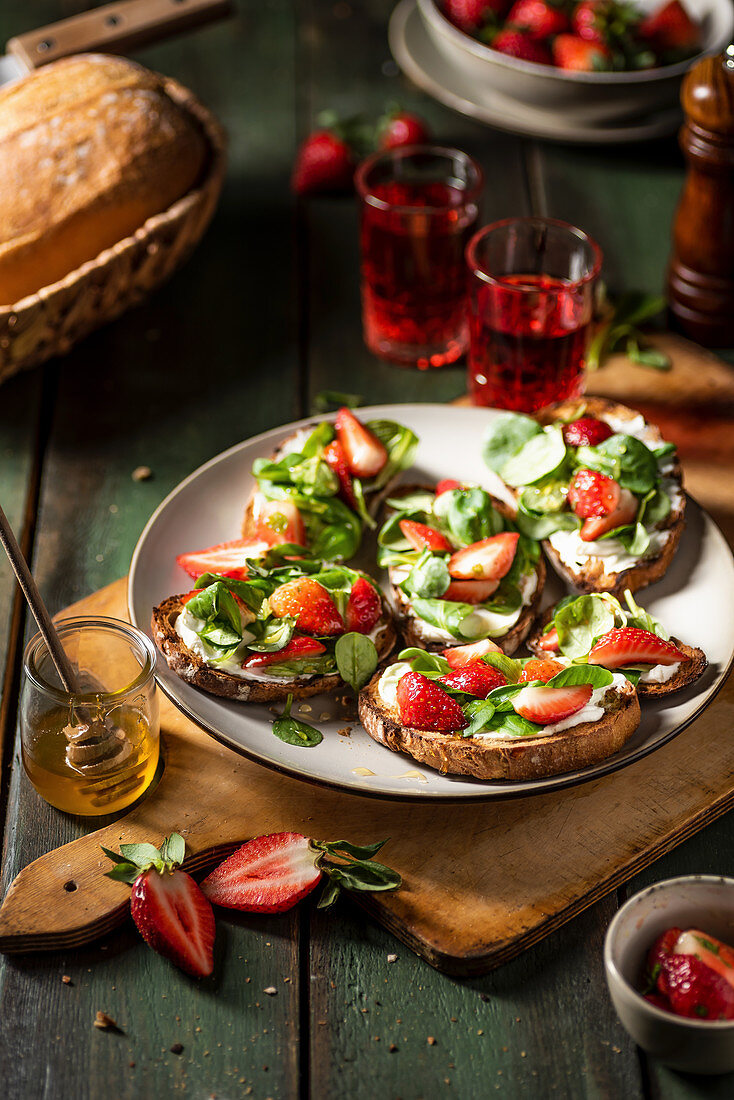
419 207
531 305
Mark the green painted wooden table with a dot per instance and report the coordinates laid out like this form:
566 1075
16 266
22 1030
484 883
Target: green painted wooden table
264 317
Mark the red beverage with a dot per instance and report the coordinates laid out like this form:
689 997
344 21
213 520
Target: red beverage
414 231
527 349
529 333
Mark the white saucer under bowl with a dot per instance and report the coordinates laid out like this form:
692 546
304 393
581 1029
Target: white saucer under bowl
419 59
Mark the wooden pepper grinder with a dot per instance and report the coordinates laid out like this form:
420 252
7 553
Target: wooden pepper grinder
701 272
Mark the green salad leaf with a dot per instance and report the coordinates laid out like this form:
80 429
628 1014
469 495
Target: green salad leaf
542 456
294 732
595 675
624 458
429 577
356 659
467 515
580 622
506 435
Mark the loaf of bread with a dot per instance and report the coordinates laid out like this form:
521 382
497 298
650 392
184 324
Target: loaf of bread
90 146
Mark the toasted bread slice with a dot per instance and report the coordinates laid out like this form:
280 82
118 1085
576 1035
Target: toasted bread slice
409 625
593 576
515 759
686 674
191 667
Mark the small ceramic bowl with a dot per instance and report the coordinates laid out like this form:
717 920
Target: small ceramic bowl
692 901
589 98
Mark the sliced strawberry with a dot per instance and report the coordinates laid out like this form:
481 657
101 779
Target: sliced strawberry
577 54
694 989
630 645
266 875
538 18
671 28
174 917
446 485
586 432
335 457
420 535
424 705
189 595
662 947
625 513
592 494
550 641
460 655
364 607
228 558
523 46
547 705
297 648
470 591
717 955
310 605
475 678
278 521
540 670
365 453
488 560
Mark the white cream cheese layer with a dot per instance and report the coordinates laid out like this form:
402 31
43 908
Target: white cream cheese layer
592 712
659 674
186 626
480 623
387 685
575 553
636 427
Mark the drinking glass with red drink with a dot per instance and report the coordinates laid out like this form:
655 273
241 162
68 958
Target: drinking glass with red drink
419 207
531 305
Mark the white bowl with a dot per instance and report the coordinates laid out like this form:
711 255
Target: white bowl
602 97
692 901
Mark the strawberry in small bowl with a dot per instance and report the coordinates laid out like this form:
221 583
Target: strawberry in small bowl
668 968
597 61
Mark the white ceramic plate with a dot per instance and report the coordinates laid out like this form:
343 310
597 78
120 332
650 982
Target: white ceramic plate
207 509
420 60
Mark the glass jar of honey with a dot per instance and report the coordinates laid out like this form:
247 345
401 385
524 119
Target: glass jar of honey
97 751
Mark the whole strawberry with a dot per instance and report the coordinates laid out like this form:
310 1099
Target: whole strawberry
578 55
470 15
522 45
538 18
694 989
324 163
401 128
171 913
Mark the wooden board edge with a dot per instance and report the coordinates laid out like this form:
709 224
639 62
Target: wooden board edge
476 964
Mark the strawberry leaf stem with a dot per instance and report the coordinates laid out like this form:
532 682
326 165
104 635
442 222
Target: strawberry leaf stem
355 869
133 859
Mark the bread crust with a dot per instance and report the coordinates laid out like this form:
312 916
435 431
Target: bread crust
91 146
594 577
406 619
191 668
686 675
515 759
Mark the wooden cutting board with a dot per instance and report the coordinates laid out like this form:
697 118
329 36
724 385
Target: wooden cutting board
481 882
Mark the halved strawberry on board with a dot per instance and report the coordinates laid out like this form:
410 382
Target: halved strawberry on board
547 705
630 645
489 559
266 875
310 605
420 536
366 455
460 655
229 559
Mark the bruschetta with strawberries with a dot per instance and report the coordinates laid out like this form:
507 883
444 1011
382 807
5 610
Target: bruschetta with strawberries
619 635
274 632
473 711
599 486
459 568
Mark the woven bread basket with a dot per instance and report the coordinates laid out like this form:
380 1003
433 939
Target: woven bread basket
55 318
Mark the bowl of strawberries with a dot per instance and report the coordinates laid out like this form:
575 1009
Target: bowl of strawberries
669 964
594 61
